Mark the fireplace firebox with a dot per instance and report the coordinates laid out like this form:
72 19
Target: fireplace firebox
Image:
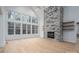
50 34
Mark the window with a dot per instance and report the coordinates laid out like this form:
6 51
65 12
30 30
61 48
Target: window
28 29
24 28
27 18
11 14
23 18
10 28
17 28
17 16
34 29
34 20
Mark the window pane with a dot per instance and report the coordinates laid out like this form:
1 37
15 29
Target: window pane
10 31
11 14
34 20
17 28
17 16
28 29
10 28
10 24
29 19
23 18
34 29
24 28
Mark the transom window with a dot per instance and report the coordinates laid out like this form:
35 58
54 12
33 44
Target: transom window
14 15
17 17
11 14
23 18
34 20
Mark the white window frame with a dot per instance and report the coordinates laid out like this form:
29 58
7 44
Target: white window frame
24 19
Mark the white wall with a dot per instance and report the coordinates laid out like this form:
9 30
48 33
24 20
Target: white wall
69 36
71 13
2 36
2 29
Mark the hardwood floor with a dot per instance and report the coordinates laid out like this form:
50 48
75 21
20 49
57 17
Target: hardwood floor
36 45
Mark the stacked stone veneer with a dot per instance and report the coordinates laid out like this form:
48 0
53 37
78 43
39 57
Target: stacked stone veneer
53 18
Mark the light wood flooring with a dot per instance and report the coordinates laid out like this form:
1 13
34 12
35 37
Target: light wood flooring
40 45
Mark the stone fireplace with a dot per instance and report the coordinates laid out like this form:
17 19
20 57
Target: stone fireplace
53 18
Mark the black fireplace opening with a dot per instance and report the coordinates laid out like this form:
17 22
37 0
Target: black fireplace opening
50 34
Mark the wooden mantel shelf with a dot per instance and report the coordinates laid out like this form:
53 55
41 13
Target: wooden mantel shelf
68 25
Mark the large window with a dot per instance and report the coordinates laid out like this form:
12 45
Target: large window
28 29
10 28
34 29
29 25
24 28
17 28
